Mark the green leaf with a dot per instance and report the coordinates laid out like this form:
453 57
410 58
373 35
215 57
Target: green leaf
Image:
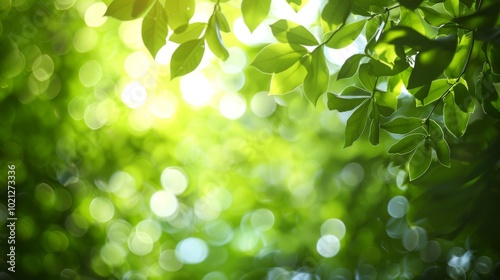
456 65
289 32
435 15
452 7
336 12
411 19
463 98
439 143
386 102
344 36
127 9
366 76
286 81
254 12
406 36
455 119
179 12
222 22
486 17
318 76
420 161
407 144
188 32
430 93
410 4
350 66
374 126
155 29
187 57
343 104
356 124
403 125
352 91
494 55
431 63
277 57
214 40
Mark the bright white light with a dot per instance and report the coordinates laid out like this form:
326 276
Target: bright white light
236 62
137 64
174 180
339 56
262 104
134 95
101 209
165 53
261 35
333 227
163 203
196 89
232 106
192 250
94 15
328 246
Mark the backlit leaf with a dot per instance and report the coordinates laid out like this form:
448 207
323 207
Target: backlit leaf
456 65
318 76
374 126
278 57
127 9
190 32
254 12
179 12
407 144
155 29
214 40
286 81
289 32
343 103
410 4
336 12
439 143
350 66
420 161
455 119
345 35
356 124
366 76
187 57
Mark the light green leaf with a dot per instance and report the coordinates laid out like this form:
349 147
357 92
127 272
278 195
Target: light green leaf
336 12
179 12
411 4
155 29
286 81
355 91
403 125
366 76
356 124
386 102
222 22
214 40
350 66
343 103
277 57
127 9
455 119
254 12
345 35
289 32
188 32
411 19
318 76
452 7
420 161
407 144
187 57
430 93
431 63
456 65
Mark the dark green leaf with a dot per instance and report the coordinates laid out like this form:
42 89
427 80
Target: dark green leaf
277 57
336 12
254 12
430 93
214 40
486 17
463 98
420 161
289 32
188 32
431 63
345 35
342 103
350 66
407 144
318 76
187 57
403 125
439 143
155 28
179 12
355 91
410 4
374 126
286 81
406 36
127 9
382 69
435 15
494 56
356 124
455 119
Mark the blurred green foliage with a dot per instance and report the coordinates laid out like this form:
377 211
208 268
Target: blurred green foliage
131 167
